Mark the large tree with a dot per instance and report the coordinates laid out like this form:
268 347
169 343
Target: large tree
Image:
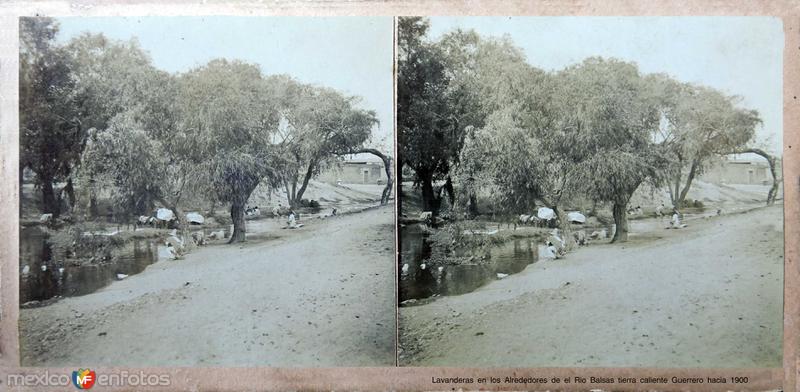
133 145
438 100
322 125
506 155
52 135
515 165
614 115
229 114
700 124
584 131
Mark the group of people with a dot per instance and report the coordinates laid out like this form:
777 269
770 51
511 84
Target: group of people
636 211
675 220
293 218
555 245
252 211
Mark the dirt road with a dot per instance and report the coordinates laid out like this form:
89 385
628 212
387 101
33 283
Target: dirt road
710 295
323 295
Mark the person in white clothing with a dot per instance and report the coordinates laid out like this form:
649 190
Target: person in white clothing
676 220
551 252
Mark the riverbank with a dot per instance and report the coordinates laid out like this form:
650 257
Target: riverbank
284 298
710 295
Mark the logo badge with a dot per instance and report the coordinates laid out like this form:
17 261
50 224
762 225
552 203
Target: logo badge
83 378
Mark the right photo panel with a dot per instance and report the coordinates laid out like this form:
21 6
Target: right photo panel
590 191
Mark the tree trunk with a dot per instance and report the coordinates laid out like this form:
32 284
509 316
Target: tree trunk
237 214
309 173
288 193
239 230
387 166
93 211
689 179
387 192
564 227
428 197
621 221
69 190
451 194
673 194
291 193
50 204
472 205
773 191
92 197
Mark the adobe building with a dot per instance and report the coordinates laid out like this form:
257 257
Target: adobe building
747 169
367 170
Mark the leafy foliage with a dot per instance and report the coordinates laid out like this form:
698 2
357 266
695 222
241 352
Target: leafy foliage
700 124
321 126
126 103
51 134
97 111
472 109
440 95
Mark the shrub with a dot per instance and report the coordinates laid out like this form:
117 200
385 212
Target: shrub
77 241
309 203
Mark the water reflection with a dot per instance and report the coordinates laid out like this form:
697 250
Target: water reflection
419 280
42 276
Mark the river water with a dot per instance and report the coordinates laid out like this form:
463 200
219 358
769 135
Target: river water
42 277
417 282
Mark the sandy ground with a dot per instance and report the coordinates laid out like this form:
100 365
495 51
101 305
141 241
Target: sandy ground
345 197
710 295
323 295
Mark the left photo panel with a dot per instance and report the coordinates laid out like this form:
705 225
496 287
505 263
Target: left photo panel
206 191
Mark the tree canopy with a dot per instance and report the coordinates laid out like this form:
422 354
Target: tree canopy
471 110
322 125
52 135
700 123
95 111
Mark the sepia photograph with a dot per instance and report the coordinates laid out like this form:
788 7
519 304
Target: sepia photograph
206 191
406 195
590 192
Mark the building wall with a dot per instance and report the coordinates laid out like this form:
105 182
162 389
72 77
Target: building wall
739 172
355 172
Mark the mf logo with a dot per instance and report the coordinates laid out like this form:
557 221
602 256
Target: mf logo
83 378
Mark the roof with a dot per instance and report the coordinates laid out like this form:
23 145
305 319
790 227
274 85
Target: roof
363 158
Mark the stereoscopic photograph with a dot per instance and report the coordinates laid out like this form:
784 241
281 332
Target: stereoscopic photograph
590 191
206 191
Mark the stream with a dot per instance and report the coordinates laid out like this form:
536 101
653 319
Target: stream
43 278
420 281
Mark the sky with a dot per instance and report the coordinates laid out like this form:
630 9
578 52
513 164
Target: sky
352 55
737 55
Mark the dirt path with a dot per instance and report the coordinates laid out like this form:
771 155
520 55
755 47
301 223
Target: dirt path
319 296
710 295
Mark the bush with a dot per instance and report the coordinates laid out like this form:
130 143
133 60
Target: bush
71 242
219 220
309 203
689 203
